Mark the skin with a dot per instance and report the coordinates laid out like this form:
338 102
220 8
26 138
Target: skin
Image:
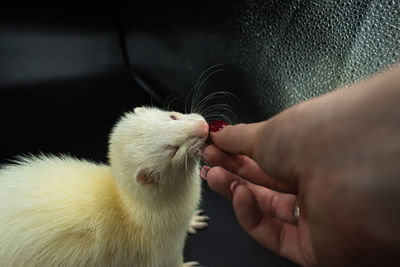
338 156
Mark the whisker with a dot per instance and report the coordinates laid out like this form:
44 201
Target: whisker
186 168
172 101
217 106
193 90
213 106
187 97
214 96
210 68
218 116
200 82
213 109
215 115
166 102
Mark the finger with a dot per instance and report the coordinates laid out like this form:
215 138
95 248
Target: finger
278 205
279 237
246 207
238 139
220 180
282 207
270 143
244 167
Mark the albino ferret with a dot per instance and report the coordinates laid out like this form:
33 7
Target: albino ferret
60 211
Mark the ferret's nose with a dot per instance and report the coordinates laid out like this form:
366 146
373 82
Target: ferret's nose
202 129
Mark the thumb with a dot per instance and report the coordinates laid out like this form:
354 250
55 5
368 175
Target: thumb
269 143
239 139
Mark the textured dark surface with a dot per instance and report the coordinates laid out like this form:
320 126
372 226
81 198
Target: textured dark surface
67 73
276 53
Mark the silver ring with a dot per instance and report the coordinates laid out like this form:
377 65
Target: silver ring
296 211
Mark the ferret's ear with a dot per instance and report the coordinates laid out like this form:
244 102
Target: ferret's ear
139 109
145 177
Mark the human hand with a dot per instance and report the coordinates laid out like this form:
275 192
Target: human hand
267 215
337 155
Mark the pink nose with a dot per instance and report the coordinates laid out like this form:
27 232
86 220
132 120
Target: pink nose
202 129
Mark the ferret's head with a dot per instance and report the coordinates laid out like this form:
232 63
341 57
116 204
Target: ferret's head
150 146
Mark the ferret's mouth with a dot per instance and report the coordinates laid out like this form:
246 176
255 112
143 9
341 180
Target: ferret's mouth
192 146
196 144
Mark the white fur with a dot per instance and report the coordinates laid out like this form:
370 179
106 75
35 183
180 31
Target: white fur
60 211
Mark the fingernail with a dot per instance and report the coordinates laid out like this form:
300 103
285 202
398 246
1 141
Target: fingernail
203 172
215 126
233 186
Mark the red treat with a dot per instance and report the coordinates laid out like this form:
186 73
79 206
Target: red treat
215 126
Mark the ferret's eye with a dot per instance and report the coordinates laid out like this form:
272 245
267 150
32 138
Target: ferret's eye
173 117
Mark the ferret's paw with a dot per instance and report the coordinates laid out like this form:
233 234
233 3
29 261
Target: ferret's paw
198 222
191 264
